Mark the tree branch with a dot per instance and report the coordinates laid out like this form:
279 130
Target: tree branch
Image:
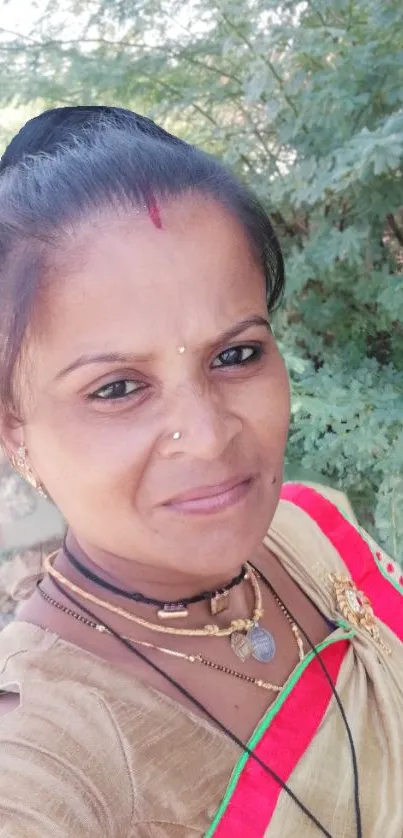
18 35
266 61
316 12
119 44
397 232
210 67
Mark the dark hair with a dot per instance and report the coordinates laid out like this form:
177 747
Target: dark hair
70 162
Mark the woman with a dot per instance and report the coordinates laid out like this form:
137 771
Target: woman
201 657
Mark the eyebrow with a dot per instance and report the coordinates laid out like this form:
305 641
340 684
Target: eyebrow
118 357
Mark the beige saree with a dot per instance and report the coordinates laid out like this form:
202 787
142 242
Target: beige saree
89 753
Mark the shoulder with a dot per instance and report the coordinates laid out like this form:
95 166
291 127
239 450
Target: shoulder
330 512
318 517
47 676
307 496
59 745
53 682
321 534
337 498
21 646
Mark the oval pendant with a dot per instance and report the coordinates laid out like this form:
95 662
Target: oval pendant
262 644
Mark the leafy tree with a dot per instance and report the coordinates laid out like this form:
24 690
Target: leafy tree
305 101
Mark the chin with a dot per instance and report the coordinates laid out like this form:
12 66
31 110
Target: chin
221 547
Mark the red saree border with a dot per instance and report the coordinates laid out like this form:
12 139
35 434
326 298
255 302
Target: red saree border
367 575
282 739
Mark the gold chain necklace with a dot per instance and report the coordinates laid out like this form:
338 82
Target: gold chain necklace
207 631
100 627
247 637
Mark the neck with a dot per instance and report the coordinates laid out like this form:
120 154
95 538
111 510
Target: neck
159 583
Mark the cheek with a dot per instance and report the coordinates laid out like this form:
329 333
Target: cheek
268 410
88 452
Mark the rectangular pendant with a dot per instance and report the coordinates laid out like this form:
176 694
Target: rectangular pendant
172 612
241 646
219 602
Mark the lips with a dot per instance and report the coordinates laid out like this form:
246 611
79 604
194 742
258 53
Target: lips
211 498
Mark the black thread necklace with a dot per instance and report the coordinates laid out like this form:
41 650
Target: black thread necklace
135 596
322 829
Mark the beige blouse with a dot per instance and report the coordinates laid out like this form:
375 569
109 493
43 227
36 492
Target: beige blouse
91 752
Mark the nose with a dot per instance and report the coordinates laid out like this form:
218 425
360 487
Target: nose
204 422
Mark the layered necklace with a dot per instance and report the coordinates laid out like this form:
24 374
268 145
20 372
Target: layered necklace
237 627
173 609
247 638
195 658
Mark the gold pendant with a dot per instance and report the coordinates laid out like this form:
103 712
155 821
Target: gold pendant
241 645
356 608
172 612
219 602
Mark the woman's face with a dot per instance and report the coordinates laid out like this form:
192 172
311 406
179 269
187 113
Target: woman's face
150 334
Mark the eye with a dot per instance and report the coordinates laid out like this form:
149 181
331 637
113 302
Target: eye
116 390
237 356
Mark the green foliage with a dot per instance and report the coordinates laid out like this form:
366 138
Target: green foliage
305 101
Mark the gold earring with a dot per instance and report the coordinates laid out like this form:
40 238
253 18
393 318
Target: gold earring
21 465
19 460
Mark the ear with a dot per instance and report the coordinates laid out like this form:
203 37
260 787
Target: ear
11 436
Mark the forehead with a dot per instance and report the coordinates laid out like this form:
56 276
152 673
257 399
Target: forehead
130 280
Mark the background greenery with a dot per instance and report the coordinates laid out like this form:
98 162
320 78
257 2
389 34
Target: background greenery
304 101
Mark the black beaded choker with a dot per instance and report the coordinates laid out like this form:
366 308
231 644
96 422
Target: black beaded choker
176 608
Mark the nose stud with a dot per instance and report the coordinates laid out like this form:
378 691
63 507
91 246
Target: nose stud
181 350
176 435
